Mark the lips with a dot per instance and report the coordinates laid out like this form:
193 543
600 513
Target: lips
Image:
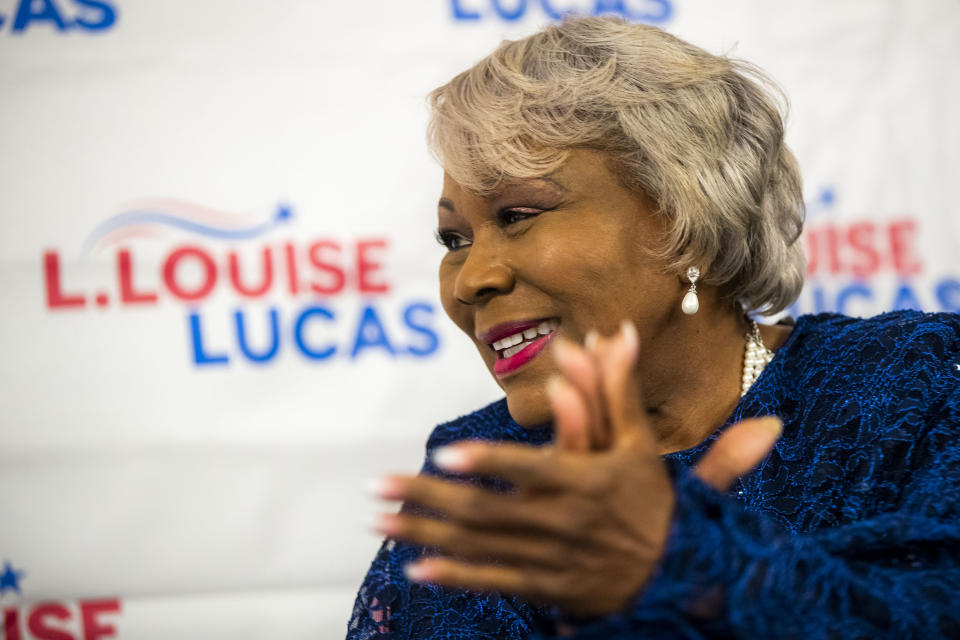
517 343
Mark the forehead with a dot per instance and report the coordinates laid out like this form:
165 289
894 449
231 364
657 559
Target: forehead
583 172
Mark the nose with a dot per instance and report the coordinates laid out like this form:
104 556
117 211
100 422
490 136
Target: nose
483 275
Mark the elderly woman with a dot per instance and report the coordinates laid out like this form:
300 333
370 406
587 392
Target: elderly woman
611 186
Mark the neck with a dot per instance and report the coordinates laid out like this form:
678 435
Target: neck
693 380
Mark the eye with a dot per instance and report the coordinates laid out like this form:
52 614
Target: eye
450 239
516 214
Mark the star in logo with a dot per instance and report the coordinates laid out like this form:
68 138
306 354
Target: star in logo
10 578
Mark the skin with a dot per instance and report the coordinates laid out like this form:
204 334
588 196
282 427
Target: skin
589 519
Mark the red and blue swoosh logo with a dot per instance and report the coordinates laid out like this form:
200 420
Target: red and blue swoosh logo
151 218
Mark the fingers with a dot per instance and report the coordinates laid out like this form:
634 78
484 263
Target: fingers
471 506
737 451
581 372
523 466
621 391
570 420
464 542
473 577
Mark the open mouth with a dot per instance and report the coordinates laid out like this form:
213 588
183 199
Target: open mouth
517 349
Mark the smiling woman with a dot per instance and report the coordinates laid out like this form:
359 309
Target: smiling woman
615 202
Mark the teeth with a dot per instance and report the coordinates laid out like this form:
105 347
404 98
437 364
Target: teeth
512 344
513 350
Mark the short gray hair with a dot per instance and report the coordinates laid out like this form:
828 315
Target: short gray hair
700 134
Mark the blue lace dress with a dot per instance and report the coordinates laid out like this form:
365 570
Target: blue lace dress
849 529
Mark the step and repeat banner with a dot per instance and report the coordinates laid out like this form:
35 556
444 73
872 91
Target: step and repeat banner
220 313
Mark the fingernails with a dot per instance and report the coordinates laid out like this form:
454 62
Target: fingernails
416 572
451 459
773 423
386 524
590 342
630 339
386 488
561 350
554 384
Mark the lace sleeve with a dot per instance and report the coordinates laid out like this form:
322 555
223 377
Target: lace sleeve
390 607
732 572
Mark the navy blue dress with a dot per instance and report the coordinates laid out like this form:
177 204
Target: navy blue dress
849 529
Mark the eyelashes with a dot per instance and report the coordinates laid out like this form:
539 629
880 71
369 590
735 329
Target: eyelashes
449 239
453 240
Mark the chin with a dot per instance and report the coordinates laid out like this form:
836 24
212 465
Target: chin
530 410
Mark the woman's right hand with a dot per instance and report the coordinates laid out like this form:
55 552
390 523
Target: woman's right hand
581 419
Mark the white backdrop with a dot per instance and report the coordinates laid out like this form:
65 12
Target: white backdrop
185 430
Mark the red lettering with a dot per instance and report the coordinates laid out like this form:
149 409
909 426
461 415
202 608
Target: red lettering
366 266
170 272
813 251
860 237
292 280
38 626
316 259
56 298
93 629
901 247
11 624
128 295
265 281
833 249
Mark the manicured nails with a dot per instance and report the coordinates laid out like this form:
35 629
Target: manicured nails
774 424
590 342
554 386
416 572
451 459
385 488
386 524
631 341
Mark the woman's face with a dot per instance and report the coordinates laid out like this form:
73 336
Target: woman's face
555 256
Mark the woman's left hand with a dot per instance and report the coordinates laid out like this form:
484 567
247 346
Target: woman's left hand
584 528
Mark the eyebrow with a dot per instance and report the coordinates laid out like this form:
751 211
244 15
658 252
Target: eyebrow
549 178
447 203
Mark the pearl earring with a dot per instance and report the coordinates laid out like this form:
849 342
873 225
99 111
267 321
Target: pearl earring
691 304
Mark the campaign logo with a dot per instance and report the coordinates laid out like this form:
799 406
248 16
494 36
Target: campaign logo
60 16
868 264
207 255
89 619
649 11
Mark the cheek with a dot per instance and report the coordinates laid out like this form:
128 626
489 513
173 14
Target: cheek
454 310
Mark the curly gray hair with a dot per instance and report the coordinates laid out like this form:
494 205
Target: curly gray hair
702 135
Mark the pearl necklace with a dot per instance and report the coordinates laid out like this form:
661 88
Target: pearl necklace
755 357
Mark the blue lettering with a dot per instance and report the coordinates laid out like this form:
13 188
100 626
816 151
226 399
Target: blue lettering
905 298
37 11
370 333
271 351
432 339
662 10
305 315
948 294
819 300
199 355
661 13
857 289
459 13
552 12
515 14
101 15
